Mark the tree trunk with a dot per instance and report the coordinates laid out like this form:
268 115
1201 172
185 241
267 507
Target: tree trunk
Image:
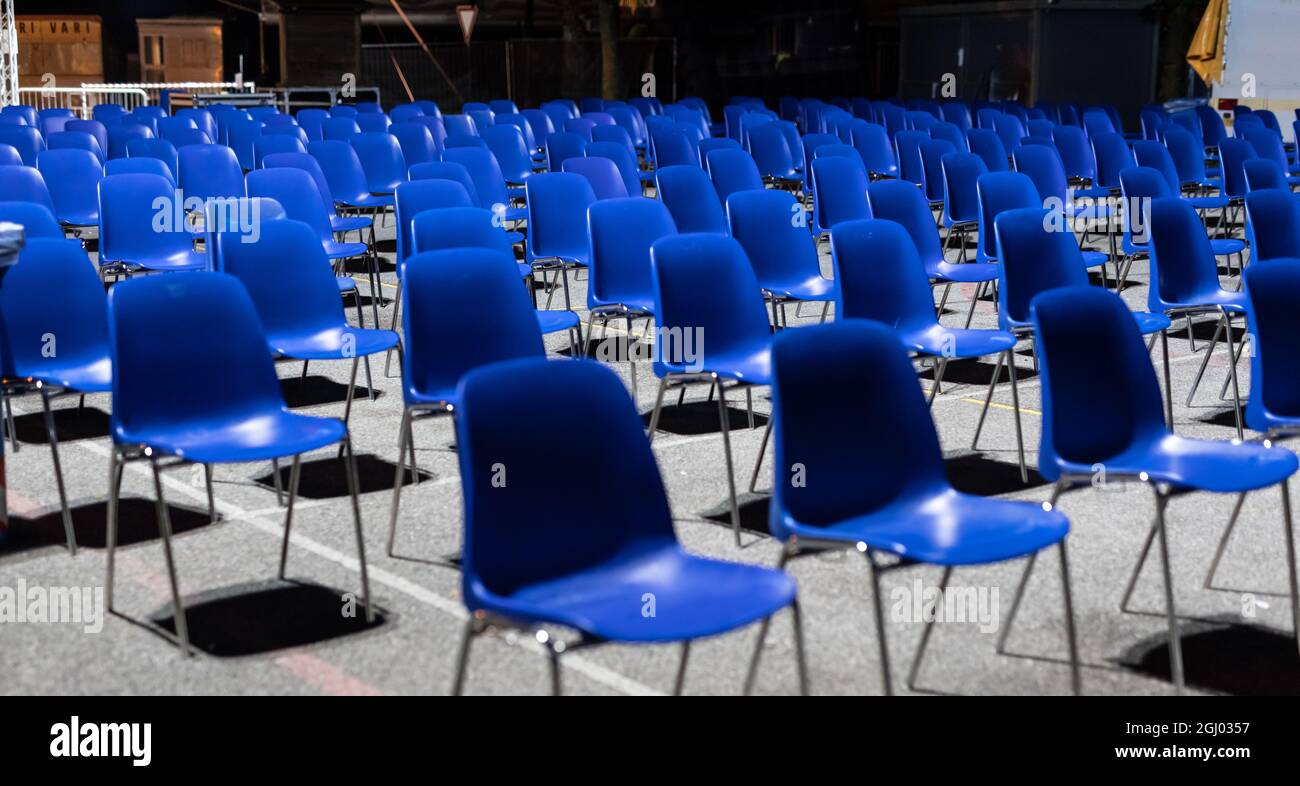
610 87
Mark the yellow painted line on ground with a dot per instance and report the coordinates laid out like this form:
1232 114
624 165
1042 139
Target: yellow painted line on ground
1007 407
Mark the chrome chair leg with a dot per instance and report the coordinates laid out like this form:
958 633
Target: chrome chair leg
988 398
726 447
275 475
53 436
654 414
212 501
165 529
1015 603
1205 361
1169 388
940 366
1232 373
874 570
801 657
680 683
1137 569
1223 541
402 436
294 476
353 491
762 448
1071 635
1289 533
1015 403
473 628
114 488
553 649
925 635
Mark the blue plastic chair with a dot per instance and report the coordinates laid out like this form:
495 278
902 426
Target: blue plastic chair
463 226
73 178
603 175
37 221
1274 218
691 199
771 154
1189 159
576 582
27 141
1233 154
1101 407
444 291
25 184
133 234
210 172
985 143
118 138
203 396
75 140
343 110
347 180
489 181
381 160
54 292
890 495
706 287
670 147
557 226
961 172
160 149
293 290
1141 184
903 203
1185 282
562 146
312 122
621 232
907 145
733 171
1262 174
1043 165
932 153
508 146
146 166
340 129
840 189
771 227
241 135
308 164
460 124
999 191
373 122
272 144
623 161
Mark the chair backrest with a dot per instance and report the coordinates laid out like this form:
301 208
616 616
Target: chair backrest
163 379
442 292
932 153
1187 153
460 124
160 149
297 193
208 171
1274 217
507 144
956 113
622 232
25 184
562 146
73 178
705 286
618 507
961 171
448 170
1153 154
1035 256
1042 164
1010 130
1076 154
373 122
951 133
880 275
602 174
771 226
1233 154
340 128
985 143
902 203
74 140
460 226
999 191
623 160
381 159
732 171
1113 155
907 144
872 143
271 144
771 152
1211 125
36 220
288 277
52 291
557 216
419 196
1100 394
118 137
1262 173
831 384
1274 324
1183 266
691 199
672 147
841 187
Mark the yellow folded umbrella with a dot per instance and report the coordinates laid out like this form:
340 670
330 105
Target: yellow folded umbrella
1206 52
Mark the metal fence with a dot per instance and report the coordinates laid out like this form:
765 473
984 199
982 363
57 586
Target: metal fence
129 95
526 70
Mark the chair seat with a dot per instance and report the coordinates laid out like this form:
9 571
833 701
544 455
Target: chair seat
967 273
640 304
79 218
949 528
815 288
182 261
1095 258
330 343
1202 464
1207 202
516 213
1091 193
1234 302
1224 246
346 284
337 250
555 321
515 237
750 363
694 597
239 437
1149 323
84 375
945 341
349 223
369 200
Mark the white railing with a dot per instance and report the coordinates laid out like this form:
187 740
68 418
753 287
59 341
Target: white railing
82 99
154 90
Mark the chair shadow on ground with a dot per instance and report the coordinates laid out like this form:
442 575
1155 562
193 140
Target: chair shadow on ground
70 423
1224 416
315 390
1222 655
137 523
325 478
976 373
701 416
262 617
754 509
976 473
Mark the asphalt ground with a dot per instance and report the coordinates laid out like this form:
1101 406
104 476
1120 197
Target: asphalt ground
257 635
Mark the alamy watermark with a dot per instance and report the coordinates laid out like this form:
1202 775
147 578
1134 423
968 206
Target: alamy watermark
27 604
917 602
